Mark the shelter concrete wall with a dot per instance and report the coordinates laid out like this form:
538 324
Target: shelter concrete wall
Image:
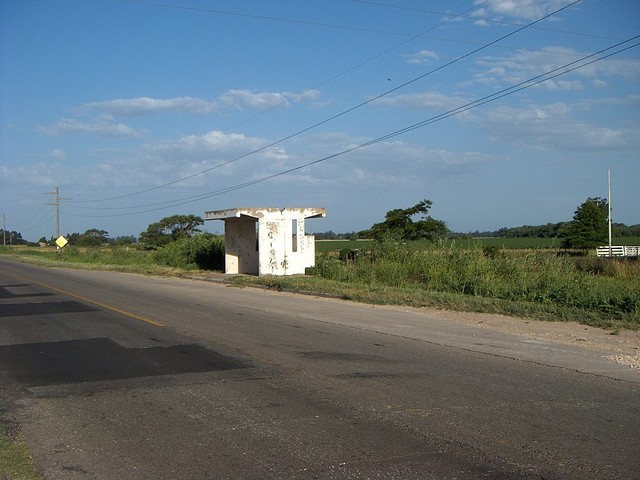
283 248
240 246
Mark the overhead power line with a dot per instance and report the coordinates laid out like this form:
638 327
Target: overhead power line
334 77
37 218
273 18
344 112
449 19
262 17
477 18
529 83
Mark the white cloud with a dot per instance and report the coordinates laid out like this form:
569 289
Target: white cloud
522 65
525 64
591 104
226 153
232 99
40 174
100 128
246 98
563 85
393 162
424 101
264 100
479 12
130 107
552 126
612 67
423 56
523 9
209 143
58 154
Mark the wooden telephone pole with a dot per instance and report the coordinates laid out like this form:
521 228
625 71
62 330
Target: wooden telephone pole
57 205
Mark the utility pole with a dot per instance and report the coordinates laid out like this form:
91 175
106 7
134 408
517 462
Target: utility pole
57 205
4 229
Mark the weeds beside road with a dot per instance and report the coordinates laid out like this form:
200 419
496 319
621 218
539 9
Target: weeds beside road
533 283
15 461
538 283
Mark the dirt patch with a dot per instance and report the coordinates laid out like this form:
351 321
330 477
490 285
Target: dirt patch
622 347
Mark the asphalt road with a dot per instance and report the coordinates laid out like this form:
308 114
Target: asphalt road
117 376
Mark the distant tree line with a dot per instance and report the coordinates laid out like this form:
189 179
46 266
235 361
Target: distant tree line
92 238
12 237
158 234
549 230
589 228
622 230
331 235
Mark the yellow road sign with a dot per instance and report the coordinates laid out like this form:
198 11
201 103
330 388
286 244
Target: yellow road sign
61 241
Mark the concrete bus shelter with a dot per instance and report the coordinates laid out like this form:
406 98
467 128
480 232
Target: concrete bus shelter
267 241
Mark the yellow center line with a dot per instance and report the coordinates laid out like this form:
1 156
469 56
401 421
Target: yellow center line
88 300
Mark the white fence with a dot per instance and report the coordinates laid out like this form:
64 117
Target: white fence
618 251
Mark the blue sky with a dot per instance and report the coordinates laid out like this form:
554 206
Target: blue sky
138 110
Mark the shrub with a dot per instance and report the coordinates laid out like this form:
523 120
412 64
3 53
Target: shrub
204 252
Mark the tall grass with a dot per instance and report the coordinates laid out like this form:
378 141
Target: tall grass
535 282
204 252
122 256
535 276
107 255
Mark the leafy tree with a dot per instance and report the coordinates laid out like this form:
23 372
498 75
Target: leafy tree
73 238
589 227
125 240
399 224
11 237
622 230
550 230
330 235
170 229
92 238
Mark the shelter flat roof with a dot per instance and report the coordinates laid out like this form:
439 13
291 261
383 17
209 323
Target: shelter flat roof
260 212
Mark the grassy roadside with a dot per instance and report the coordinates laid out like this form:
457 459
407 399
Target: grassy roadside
88 259
519 283
418 297
15 461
